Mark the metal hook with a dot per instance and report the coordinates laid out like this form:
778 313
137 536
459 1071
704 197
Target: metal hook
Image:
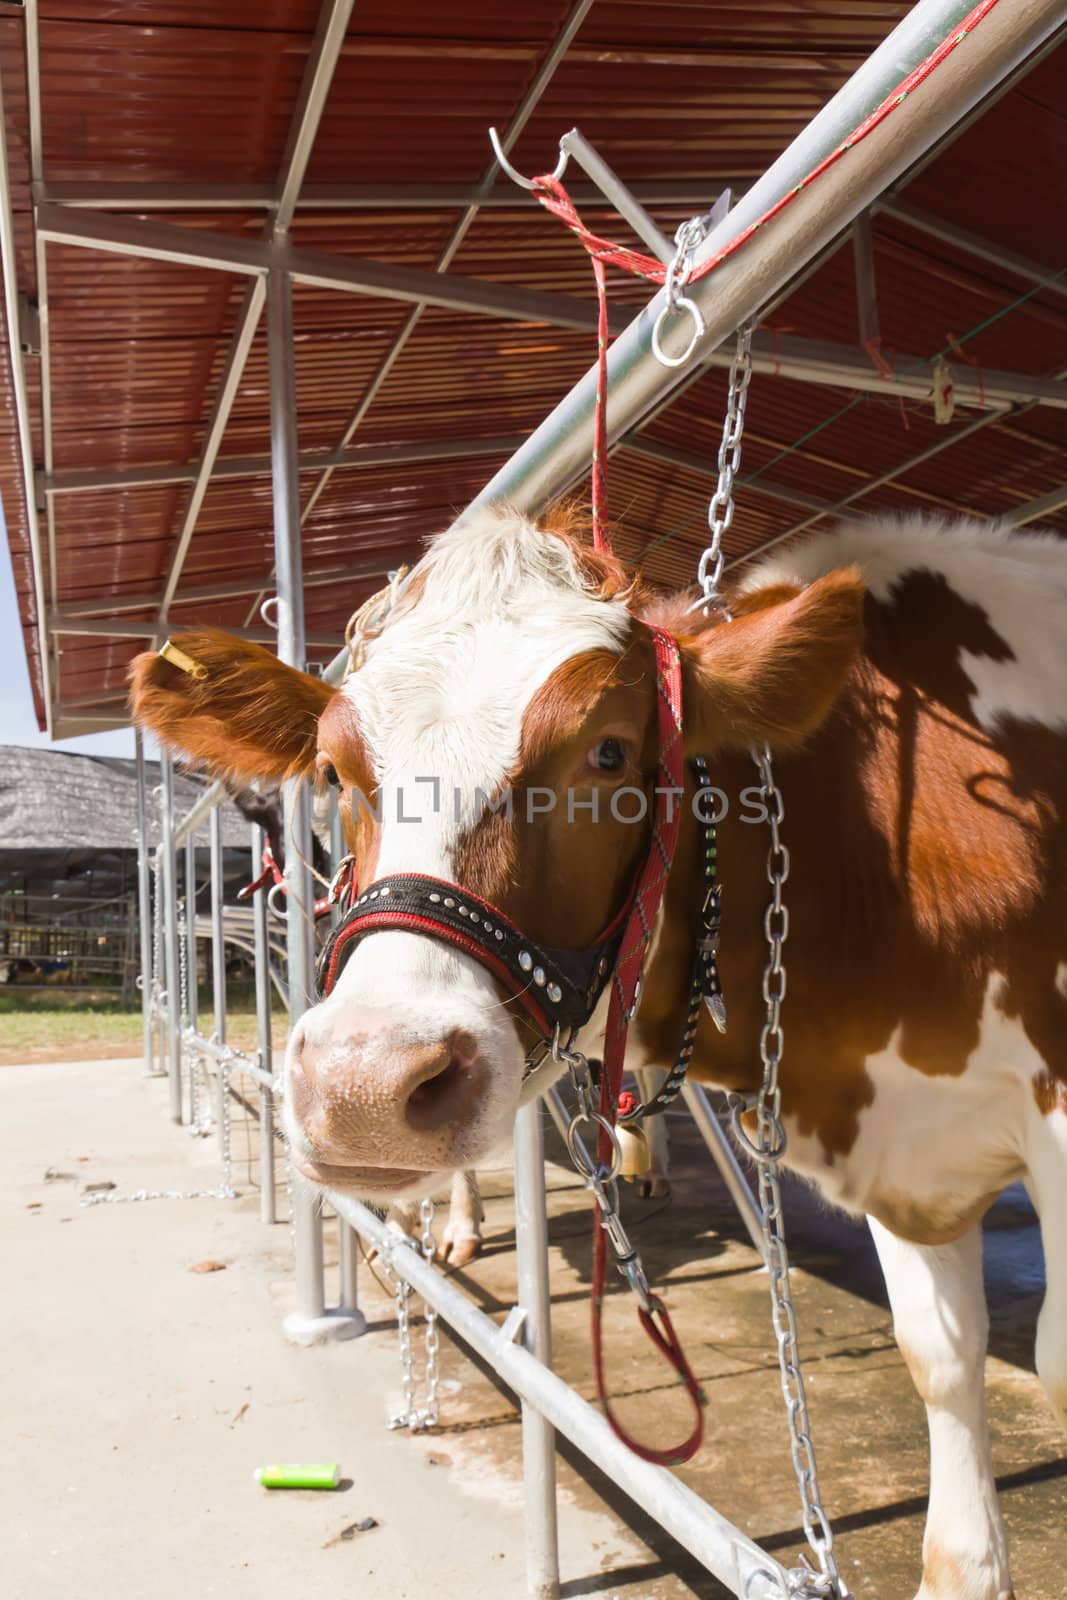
513 173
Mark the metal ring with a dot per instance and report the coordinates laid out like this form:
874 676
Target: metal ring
587 1167
682 303
268 611
272 905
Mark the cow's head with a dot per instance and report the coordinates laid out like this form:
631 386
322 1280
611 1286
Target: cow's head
507 700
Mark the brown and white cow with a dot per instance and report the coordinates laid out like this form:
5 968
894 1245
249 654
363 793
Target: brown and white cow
912 682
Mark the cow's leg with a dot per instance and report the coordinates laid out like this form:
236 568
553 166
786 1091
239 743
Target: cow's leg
656 1181
941 1325
1047 1161
462 1238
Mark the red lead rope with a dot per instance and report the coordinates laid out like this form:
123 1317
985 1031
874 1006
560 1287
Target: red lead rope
603 253
624 993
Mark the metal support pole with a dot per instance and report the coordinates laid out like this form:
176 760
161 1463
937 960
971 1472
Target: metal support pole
554 1101
144 904
538 1436
170 938
622 198
310 1322
267 1203
190 926
722 1152
348 1266
347 1238
218 957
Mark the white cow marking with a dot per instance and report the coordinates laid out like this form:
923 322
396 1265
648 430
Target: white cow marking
1018 579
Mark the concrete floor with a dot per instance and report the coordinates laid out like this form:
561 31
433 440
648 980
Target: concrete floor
140 1395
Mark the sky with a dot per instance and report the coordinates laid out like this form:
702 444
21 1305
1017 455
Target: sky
18 724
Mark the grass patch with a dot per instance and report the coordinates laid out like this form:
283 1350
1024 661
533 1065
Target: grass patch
40 1028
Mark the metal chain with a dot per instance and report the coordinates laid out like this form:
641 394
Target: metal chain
770 1144
600 1178
190 1064
721 508
431 1337
767 1151
412 1416
155 984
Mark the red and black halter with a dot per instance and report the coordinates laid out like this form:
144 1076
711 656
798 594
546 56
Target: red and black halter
558 989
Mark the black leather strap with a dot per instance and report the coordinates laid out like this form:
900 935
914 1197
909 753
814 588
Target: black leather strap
557 987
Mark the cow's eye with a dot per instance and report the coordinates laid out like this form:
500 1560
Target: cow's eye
607 756
330 774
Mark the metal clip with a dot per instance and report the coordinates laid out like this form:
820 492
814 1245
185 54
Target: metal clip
716 1010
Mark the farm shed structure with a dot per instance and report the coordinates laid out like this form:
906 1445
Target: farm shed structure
136 482
68 863
327 176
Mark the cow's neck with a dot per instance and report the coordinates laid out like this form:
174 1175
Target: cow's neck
847 925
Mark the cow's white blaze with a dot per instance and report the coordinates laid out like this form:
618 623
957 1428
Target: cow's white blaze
497 606
1018 579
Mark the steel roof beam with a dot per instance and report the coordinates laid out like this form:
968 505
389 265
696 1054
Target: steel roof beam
640 444
974 245
847 367
110 603
1034 510
9 265
194 247
361 196
97 479
314 86
60 622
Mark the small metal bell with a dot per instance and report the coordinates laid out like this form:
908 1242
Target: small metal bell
717 1008
633 1147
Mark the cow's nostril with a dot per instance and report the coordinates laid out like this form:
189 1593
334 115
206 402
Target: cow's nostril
452 1093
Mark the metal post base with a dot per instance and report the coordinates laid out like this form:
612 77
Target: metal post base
330 1328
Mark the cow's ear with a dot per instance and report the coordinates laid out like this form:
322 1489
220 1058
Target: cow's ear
772 673
229 704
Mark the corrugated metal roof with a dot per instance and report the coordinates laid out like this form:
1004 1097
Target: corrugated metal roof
687 94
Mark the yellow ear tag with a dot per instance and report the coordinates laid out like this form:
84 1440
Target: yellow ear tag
179 659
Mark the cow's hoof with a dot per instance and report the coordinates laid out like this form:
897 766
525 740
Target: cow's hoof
457 1252
947 1576
654 1188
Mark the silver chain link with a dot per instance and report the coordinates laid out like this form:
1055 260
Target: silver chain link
721 508
767 1152
600 1178
770 1144
415 1417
